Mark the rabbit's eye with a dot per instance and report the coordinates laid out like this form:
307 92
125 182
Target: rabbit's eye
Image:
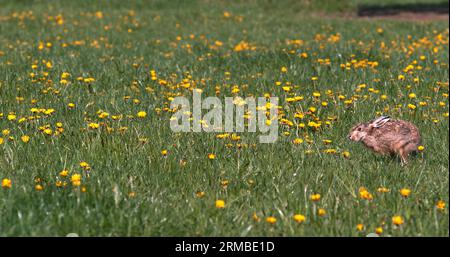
359 129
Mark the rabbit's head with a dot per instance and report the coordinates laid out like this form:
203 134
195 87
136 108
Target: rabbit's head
358 132
361 130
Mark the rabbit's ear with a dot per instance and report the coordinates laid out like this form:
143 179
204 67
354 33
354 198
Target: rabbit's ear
380 121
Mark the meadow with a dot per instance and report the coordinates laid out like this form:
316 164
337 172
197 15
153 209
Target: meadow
86 147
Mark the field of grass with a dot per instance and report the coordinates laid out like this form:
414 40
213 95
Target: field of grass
75 156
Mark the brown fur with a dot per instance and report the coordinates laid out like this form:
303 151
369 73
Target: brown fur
387 136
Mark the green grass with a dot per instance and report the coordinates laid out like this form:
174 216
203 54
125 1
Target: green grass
265 179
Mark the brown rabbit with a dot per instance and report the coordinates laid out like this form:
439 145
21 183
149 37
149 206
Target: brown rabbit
387 136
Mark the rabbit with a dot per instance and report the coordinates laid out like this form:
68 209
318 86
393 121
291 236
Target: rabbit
388 136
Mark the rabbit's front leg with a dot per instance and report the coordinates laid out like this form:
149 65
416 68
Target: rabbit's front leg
403 156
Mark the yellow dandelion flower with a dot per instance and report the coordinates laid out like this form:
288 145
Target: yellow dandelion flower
49 111
88 80
330 151
84 164
327 141
271 220
65 75
64 173
364 194
235 137
360 227
379 230
93 125
315 197
76 180
397 220
346 154
297 141
220 204
383 190
255 217
141 114
221 136
6 183
322 212
412 106
48 131
405 192
103 115
348 102
440 205
99 15
299 218
11 117
286 89
25 138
